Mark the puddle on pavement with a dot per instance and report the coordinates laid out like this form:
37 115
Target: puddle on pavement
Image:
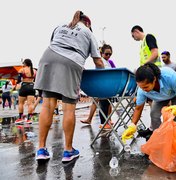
17 134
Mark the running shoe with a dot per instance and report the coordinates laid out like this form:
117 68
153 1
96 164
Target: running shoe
111 123
145 133
42 154
70 155
106 127
19 121
28 121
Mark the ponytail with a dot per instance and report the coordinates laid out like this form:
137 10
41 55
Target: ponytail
79 16
32 70
28 62
76 19
7 82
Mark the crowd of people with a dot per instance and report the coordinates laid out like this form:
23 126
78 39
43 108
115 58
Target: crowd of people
59 75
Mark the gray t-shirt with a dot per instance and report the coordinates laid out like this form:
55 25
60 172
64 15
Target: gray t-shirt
171 65
75 44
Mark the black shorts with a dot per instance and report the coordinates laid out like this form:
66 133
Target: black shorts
27 89
48 94
149 100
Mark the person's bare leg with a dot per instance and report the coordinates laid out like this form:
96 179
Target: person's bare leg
45 119
91 114
109 112
21 104
30 103
36 102
68 124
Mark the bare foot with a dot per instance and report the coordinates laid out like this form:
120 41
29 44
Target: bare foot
85 121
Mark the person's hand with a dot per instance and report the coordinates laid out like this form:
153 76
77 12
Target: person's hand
18 86
172 109
129 132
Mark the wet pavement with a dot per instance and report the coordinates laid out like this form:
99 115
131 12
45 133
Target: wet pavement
18 145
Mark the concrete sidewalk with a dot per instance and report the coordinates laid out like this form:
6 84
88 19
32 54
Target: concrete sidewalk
17 158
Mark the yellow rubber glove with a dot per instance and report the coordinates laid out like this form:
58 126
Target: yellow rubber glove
172 108
128 133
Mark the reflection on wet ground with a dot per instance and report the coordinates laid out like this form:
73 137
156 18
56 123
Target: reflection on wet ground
19 144
11 133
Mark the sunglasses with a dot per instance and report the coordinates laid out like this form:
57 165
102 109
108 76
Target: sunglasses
108 54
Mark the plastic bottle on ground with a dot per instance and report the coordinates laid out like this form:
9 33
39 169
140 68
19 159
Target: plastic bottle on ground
127 149
114 163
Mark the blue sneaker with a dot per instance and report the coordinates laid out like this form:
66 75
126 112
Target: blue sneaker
42 154
70 155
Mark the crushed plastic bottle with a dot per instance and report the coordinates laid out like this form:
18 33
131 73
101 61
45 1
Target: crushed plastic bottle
140 127
114 163
114 171
34 118
127 148
127 152
97 153
30 135
112 138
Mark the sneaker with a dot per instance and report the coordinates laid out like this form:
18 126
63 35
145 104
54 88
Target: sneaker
145 133
147 137
42 154
56 117
19 121
70 155
111 123
106 127
28 121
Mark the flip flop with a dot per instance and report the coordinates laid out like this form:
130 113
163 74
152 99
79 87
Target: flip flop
85 122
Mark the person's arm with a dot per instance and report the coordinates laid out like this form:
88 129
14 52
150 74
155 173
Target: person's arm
2 89
19 79
95 52
137 113
20 75
10 87
35 73
152 44
140 101
129 132
154 55
98 62
38 99
112 63
36 102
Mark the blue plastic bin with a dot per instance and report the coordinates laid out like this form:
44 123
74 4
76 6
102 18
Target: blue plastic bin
105 83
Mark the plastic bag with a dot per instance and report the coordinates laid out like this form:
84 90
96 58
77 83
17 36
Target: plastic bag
161 147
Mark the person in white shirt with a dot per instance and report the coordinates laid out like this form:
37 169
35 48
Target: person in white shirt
6 88
106 52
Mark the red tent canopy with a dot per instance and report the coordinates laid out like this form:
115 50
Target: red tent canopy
9 71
